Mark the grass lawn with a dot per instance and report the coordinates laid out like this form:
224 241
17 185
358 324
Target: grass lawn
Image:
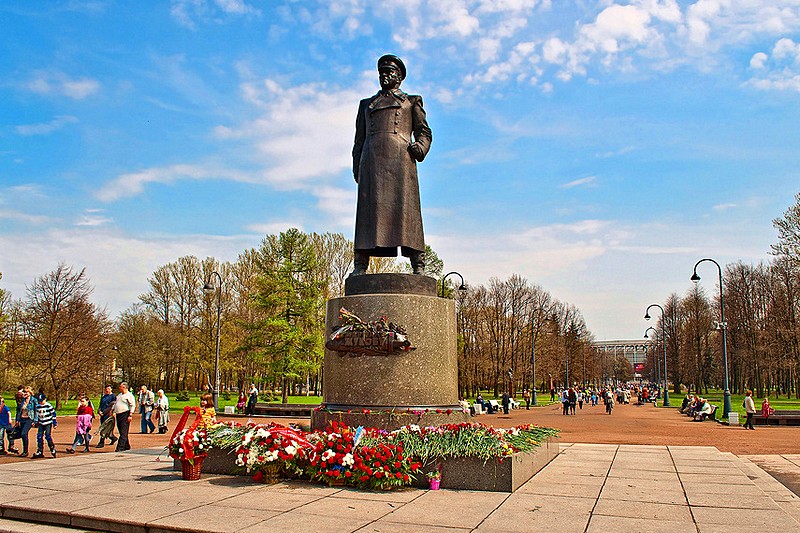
175 406
715 396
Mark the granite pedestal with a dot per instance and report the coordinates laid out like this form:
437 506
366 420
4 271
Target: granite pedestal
391 390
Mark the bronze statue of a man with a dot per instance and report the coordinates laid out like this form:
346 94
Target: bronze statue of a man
392 134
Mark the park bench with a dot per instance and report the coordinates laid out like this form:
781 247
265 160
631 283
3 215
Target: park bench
284 409
781 417
711 416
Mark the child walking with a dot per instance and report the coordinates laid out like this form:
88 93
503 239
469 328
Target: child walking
83 425
46 421
5 425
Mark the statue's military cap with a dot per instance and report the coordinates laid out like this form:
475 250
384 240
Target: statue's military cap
393 59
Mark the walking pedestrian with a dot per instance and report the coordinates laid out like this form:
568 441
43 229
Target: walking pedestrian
527 397
123 411
506 400
750 410
83 425
573 400
45 422
608 398
107 424
5 426
162 411
26 418
146 404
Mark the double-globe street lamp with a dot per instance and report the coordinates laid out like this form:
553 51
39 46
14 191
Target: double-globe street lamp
209 288
724 327
664 343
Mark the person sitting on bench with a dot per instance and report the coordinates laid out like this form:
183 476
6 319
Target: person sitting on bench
704 411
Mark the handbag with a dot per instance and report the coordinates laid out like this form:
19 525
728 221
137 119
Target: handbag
15 433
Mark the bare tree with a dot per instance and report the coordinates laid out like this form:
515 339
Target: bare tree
65 333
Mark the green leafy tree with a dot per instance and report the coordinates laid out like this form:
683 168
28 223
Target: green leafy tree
288 333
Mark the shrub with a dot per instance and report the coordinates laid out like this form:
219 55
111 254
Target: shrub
266 396
183 396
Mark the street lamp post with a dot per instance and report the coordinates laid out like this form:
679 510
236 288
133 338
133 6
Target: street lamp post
724 327
461 288
664 342
655 332
209 288
534 401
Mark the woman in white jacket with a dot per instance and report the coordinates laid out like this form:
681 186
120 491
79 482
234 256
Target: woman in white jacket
750 409
162 411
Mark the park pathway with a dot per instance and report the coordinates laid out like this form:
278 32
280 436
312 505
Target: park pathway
587 488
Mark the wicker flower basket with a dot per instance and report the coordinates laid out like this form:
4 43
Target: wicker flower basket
190 471
272 472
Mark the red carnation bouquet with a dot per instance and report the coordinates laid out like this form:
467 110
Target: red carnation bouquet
338 458
264 444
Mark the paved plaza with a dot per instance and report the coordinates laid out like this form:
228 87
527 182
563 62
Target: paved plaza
587 488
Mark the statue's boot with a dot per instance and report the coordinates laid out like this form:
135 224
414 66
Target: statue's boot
361 263
418 262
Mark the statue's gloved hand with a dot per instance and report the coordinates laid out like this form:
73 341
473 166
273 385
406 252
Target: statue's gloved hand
416 151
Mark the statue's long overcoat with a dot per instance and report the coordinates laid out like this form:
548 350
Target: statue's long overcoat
388 211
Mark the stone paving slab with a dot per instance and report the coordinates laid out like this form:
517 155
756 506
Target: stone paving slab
606 524
586 488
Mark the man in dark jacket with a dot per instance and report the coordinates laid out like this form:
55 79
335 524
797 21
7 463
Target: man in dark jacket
392 135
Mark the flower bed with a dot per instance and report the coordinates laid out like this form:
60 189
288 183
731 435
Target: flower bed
374 459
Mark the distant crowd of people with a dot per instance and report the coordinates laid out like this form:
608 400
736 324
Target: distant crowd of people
116 412
573 399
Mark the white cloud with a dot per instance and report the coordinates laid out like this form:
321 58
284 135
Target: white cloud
117 264
779 70
609 269
786 49
300 134
724 207
189 12
589 180
614 153
46 127
93 218
58 83
19 216
269 228
133 183
295 138
758 60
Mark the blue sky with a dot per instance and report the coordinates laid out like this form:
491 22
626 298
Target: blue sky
597 148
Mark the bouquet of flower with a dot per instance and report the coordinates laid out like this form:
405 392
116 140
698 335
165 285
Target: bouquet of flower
429 444
384 466
263 445
332 459
190 443
435 474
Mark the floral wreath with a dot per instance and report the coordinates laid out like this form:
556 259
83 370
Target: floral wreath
183 441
